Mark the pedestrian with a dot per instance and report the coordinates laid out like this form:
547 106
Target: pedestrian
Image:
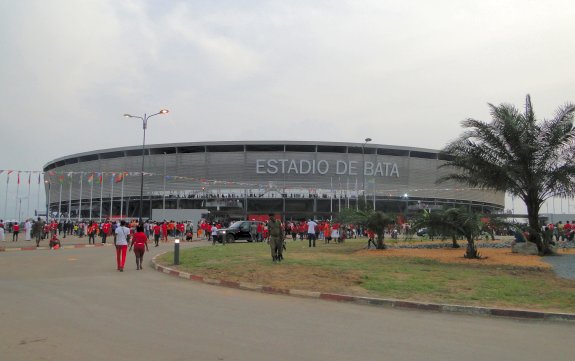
140 244
37 229
28 230
156 233
2 236
122 236
55 242
15 232
106 228
92 231
276 234
311 236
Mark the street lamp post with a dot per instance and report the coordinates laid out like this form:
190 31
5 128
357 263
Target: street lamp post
367 140
144 126
48 199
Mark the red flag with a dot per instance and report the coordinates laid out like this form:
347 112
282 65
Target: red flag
119 177
18 177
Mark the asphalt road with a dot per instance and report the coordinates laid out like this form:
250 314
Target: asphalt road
72 304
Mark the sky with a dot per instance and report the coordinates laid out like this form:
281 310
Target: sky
400 72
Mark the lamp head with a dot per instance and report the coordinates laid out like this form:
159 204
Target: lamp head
164 111
367 140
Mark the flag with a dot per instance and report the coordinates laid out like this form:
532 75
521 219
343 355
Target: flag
91 178
39 174
10 171
61 179
18 177
119 178
113 178
100 178
29 177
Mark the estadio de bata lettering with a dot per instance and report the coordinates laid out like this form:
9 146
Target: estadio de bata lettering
304 166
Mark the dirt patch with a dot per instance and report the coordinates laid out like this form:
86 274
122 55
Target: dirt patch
491 256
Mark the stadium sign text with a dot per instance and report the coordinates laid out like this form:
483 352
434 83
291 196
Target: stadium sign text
304 166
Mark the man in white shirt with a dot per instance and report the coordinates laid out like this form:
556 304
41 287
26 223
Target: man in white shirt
121 242
311 232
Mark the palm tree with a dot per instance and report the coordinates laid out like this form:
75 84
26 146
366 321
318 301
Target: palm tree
375 220
436 224
515 153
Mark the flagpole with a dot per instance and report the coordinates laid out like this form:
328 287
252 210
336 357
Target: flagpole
91 192
80 202
112 197
101 178
122 199
347 191
18 196
6 198
71 175
60 201
28 203
38 198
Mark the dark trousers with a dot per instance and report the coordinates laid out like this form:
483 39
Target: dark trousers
276 245
311 238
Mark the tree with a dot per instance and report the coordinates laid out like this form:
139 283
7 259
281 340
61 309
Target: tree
375 220
378 222
515 153
436 224
458 221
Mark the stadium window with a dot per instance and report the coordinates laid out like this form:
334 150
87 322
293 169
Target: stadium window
264 148
307 148
424 155
193 149
111 155
167 150
225 148
331 149
393 152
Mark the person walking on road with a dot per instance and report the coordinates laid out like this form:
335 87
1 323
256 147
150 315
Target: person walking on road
2 237
276 238
37 230
28 230
15 232
140 244
122 235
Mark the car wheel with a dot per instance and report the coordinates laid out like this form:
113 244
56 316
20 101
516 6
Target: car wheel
230 238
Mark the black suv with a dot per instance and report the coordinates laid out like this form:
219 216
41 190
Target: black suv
237 230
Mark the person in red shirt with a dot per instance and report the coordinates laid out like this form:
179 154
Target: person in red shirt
371 238
157 231
55 242
106 228
92 231
15 232
164 231
140 244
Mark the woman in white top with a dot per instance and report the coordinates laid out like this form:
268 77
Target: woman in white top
121 242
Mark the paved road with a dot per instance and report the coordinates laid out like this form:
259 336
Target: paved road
563 265
72 304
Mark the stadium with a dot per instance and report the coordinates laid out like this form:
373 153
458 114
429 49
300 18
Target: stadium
237 180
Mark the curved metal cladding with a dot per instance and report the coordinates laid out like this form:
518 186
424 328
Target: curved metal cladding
256 172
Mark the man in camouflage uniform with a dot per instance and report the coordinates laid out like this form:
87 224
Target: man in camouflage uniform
276 238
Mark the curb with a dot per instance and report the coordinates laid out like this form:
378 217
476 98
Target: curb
43 248
372 301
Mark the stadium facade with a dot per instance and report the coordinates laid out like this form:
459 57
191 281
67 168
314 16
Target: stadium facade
239 179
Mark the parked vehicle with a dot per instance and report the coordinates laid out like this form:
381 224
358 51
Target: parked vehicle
239 230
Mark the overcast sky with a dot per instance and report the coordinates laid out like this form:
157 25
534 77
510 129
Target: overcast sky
401 72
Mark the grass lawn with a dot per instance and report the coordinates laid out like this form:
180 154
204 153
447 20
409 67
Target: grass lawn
442 276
